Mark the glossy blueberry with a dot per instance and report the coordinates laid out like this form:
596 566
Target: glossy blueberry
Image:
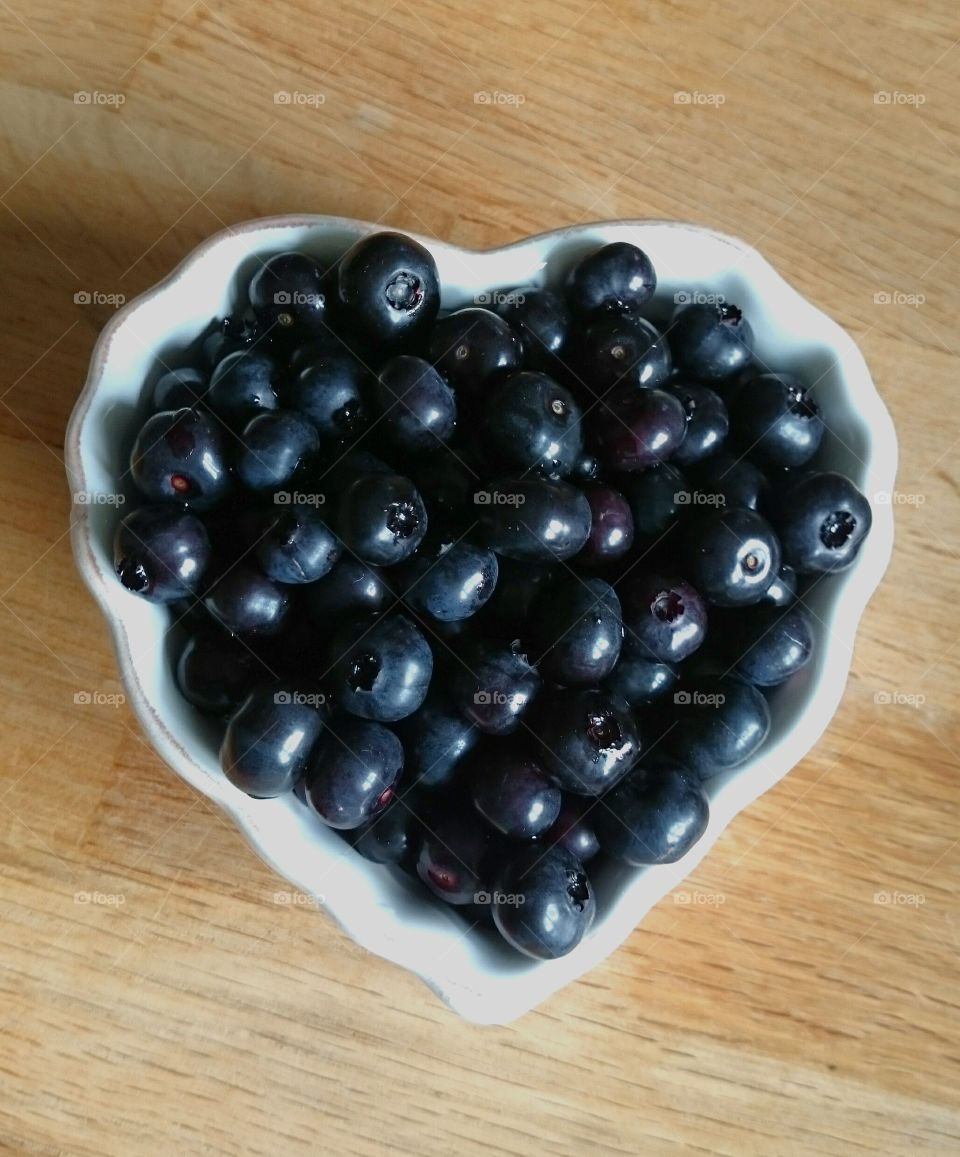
514 794
352 589
161 553
653 817
586 468
241 385
331 391
777 421
542 322
246 602
783 590
178 388
418 407
452 857
613 279
657 497
708 422
268 742
822 523
381 518
215 672
719 724
611 526
454 585
472 348
287 291
273 446
534 424
297 546
710 342
773 644
575 829
352 772
588 739
494 687
622 350
636 429
436 738
729 481
663 616
637 678
381 670
576 631
535 519
238 331
178 456
558 902
389 286
733 556
392 837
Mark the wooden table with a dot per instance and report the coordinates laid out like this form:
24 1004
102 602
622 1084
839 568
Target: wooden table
182 1010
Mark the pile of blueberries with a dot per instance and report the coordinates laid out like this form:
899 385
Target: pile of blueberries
492 591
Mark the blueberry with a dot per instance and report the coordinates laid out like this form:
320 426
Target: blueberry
238 331
436 738
381 518
542 322
622 350
710 342
473 347
452 857
558 903
389 286
352 772
215 672
242 384
178 456
418 407
574 829
664 616
513 794
161 553
823 521
733 556
708 422
268 742
588 740
392 837
331 391
773 644
719 723
297 546
613 279
777 422
576 631
273 446
246 602
454 585
351 590
381 670
657 497
287 291
728 481
178 388
534 424
637 678
611 526
653 817
534 519
636 429
495 688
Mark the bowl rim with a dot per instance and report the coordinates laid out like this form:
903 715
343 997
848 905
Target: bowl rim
499 1003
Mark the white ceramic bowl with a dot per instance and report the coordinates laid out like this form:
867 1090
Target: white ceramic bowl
478 977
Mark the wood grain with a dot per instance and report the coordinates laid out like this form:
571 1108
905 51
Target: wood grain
783 1011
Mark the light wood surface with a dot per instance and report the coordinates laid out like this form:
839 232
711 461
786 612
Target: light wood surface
182 1010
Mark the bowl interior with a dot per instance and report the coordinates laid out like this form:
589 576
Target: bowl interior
381 909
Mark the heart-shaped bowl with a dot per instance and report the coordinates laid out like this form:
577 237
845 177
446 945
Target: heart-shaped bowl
390 915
